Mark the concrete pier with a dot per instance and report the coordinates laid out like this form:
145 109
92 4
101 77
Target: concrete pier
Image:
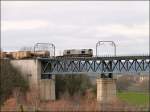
106 89
47 89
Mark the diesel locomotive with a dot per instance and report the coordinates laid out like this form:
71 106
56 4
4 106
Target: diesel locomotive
78 53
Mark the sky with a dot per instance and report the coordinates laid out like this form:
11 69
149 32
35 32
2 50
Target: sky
76 25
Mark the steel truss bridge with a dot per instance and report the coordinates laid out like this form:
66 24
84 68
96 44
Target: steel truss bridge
95 65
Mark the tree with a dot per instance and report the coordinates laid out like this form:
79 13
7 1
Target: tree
124 82
72 84
10 79
144 85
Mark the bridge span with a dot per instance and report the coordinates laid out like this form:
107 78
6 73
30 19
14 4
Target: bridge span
98 65
104 67
41 71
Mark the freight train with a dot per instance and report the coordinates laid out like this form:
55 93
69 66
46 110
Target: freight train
46 54
24 54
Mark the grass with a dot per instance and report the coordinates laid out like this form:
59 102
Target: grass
135 98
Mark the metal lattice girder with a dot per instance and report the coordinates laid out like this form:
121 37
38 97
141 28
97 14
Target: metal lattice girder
122 64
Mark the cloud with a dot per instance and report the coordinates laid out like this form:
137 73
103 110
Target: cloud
133 31
23 25
76 24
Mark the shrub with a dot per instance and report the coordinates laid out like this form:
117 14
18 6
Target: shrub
10 79
94 89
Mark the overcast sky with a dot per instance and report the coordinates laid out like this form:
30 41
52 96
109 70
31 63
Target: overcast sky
76 25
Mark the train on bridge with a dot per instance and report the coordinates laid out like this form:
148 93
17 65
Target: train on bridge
78 53
24 54
46 54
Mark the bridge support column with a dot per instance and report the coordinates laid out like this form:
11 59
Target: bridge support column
106 89
47 89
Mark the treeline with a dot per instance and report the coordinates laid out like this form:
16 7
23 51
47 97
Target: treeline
10 79
132 83
72 85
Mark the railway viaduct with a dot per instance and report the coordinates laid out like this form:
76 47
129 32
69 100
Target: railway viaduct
41 72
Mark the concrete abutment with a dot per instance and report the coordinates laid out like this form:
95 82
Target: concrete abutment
31 71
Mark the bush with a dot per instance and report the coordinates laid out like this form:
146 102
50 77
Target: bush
94 89
72 84
10 79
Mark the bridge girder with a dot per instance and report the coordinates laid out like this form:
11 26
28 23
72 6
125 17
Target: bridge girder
95 65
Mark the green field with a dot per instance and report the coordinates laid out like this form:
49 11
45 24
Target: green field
134 98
